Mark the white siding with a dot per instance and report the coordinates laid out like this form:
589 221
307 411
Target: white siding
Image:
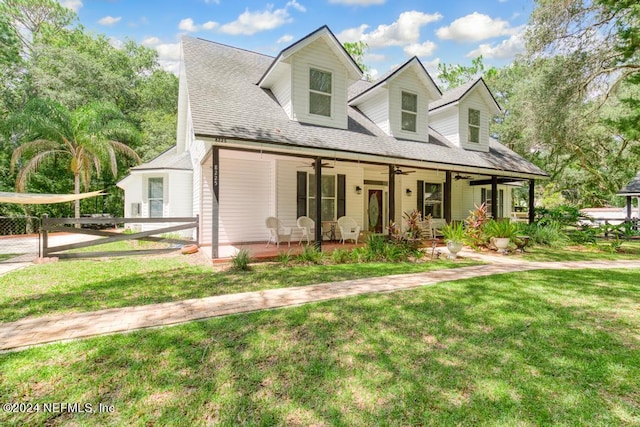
408 82
409 203
246 199
282 89
377 110
446 122
319 55
462 199
206 202
475 101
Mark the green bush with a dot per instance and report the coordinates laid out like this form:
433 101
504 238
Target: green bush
551 234
285 258
310 255
500 229
340 256
241 260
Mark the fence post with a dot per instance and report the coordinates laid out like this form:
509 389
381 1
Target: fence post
198 230
45 236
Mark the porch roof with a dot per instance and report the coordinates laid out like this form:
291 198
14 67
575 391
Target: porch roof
170 159
632 188
226 102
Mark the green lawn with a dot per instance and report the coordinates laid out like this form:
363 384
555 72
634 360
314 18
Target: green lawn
601 251
4 257
525 349
88 285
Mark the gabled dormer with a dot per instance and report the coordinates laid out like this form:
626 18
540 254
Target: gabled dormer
310 79
398 102
463 115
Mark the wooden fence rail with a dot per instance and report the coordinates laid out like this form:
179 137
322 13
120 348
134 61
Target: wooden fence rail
70 225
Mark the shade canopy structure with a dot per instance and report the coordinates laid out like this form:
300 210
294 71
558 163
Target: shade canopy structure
632 189
43 199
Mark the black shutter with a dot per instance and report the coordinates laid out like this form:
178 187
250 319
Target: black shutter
420 200
342 196
302 194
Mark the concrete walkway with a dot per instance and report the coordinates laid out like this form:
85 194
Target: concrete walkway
28 332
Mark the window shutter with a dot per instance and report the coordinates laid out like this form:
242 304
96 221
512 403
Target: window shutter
342 196
302 194
420 200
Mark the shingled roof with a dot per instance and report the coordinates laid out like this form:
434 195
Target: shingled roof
170 159
226 102
632 188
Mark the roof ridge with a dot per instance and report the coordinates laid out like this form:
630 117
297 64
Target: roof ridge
230 47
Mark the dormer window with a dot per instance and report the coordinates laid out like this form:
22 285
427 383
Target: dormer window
474 125
409 111
320 92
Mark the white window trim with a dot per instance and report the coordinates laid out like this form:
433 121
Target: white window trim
414 113
330 95
334 198
473 126
150 199
424 192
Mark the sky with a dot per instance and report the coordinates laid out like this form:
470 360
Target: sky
443 31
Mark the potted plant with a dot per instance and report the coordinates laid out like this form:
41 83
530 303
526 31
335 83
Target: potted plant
454 236
500 233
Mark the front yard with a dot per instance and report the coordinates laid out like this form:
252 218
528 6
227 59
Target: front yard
535 348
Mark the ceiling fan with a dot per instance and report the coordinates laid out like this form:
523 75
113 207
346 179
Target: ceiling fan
459 177
313 165
399 171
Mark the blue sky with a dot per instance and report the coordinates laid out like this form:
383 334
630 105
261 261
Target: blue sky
449 31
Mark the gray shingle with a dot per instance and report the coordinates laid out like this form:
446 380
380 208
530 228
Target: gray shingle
168 160
226 102
632 188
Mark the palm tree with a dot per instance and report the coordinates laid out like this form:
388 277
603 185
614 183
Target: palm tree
87 136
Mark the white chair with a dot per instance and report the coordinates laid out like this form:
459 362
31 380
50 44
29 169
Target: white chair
305 224
349 229
277 232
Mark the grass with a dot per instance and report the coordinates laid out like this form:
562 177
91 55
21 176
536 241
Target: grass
526 349
4 257
600 251
88 285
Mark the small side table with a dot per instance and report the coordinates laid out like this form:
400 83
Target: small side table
329 229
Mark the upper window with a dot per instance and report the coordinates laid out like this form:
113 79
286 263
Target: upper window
156 197
409 111
320 92
474 125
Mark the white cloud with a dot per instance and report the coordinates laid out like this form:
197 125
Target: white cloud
169 51
420 49
249 23
404 31
506 49
109 20
374 57
357 2
475 27
74 5
373 73
117 43
285 39
189 26
151 41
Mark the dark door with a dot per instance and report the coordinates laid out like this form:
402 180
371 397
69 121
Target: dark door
374 211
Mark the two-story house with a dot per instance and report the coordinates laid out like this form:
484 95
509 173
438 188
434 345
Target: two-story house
304 134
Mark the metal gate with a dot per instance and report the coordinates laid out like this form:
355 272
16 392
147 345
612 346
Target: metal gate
19 237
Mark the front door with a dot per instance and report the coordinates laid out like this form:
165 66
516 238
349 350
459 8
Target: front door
374 211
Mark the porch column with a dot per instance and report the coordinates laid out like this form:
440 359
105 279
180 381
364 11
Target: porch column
392 194
494 197
447 197
628 208
317 167
215 208
532 196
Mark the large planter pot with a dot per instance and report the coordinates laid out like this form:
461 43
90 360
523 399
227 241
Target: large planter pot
502 243
454 248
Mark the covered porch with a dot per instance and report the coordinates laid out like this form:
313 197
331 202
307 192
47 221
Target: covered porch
241 187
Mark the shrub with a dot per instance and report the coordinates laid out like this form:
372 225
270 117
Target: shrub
310 255
453 231
546 235
241 260
285 258
500 229
375 246
563 215
473 226
340 256
414 229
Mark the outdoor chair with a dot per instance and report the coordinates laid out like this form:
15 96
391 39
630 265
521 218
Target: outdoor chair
306 225
427 231
349 229
277 232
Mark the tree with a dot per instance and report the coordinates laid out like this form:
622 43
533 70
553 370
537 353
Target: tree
452 76
357 51
87 137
